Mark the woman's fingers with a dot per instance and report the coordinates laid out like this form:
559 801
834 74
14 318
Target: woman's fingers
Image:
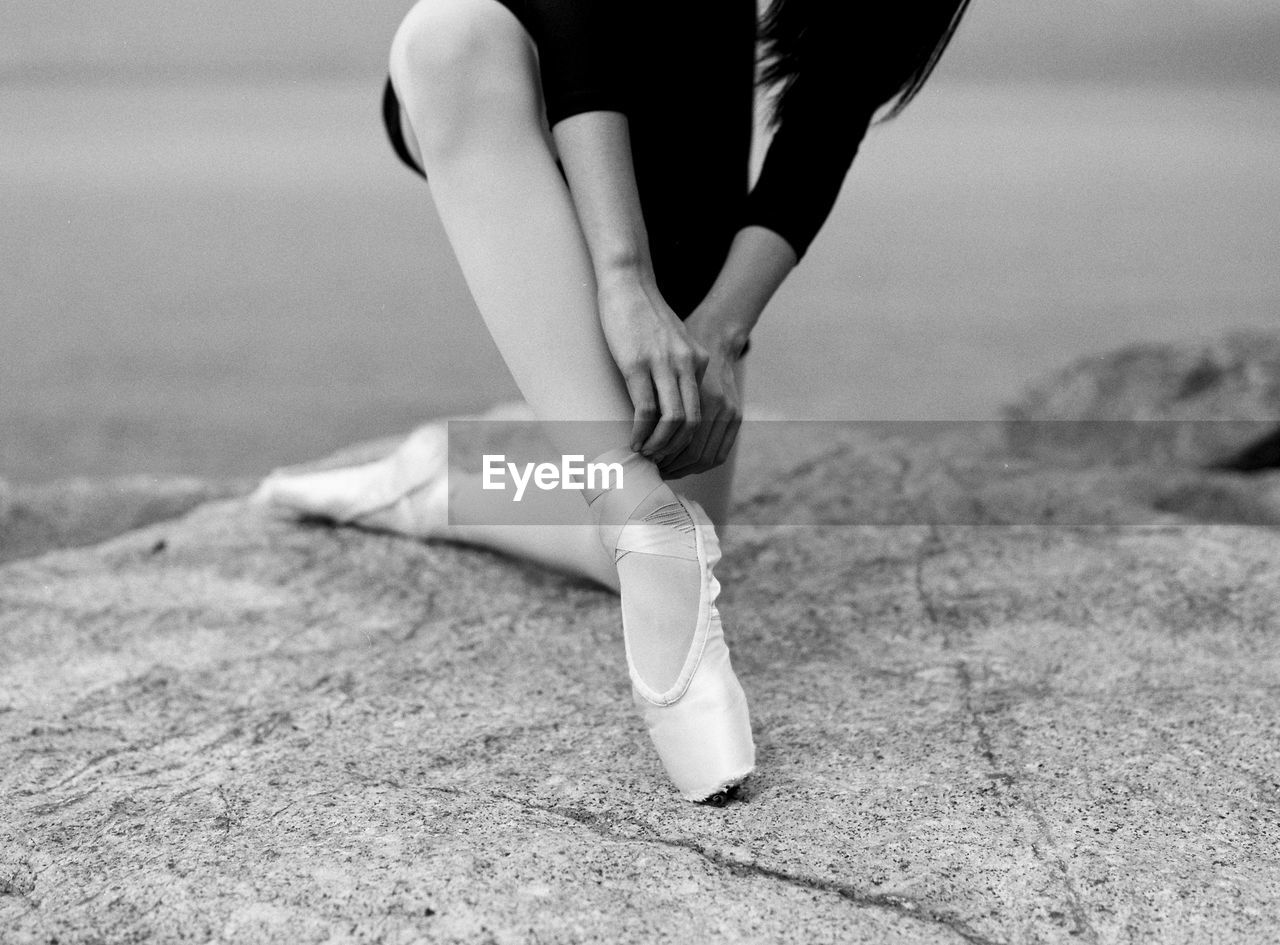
671 409
640 389
726 444
709 448
713 454
691 407
696 457
666 395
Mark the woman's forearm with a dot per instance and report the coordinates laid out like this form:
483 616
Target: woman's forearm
758 262
595 150
659 363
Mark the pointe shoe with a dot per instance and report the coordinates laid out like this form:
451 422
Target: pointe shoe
700 725
406 492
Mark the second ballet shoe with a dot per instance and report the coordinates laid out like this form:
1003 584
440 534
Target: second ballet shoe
406 492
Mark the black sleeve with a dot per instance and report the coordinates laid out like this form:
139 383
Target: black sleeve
583 54
806 163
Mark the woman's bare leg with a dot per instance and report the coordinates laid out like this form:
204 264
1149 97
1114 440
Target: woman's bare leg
466 74
557 531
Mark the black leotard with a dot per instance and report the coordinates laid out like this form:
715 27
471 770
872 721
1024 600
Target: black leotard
683 73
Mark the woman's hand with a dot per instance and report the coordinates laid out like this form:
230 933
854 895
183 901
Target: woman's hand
759 259
679 376
659 361
660 364
720 399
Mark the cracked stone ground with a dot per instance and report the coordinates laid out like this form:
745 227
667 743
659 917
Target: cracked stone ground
230 728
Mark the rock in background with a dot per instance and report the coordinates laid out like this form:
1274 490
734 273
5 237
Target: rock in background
1214 404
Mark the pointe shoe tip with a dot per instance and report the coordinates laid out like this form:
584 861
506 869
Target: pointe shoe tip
730 791
278 496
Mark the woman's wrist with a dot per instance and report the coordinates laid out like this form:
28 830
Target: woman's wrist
623 274
595 151
757 263
733 341
721 331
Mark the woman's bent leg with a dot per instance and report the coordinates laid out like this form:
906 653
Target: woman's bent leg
466 74
395 494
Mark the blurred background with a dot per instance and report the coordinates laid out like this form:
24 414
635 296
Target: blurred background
212 263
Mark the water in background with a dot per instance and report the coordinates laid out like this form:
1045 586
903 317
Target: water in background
219 274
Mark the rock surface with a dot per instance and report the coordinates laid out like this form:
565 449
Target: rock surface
1212 404
76 512
233 728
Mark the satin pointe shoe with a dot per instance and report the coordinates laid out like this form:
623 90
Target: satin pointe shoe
406 492
698 721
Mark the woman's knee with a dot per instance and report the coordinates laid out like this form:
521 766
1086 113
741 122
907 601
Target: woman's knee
458 63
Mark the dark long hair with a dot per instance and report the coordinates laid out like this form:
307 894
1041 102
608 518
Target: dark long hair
884 51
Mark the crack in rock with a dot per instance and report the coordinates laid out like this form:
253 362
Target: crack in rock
901 906
930 547
1046 849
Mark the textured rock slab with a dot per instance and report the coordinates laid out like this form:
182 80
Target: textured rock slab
1200 405
230 727
77 512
